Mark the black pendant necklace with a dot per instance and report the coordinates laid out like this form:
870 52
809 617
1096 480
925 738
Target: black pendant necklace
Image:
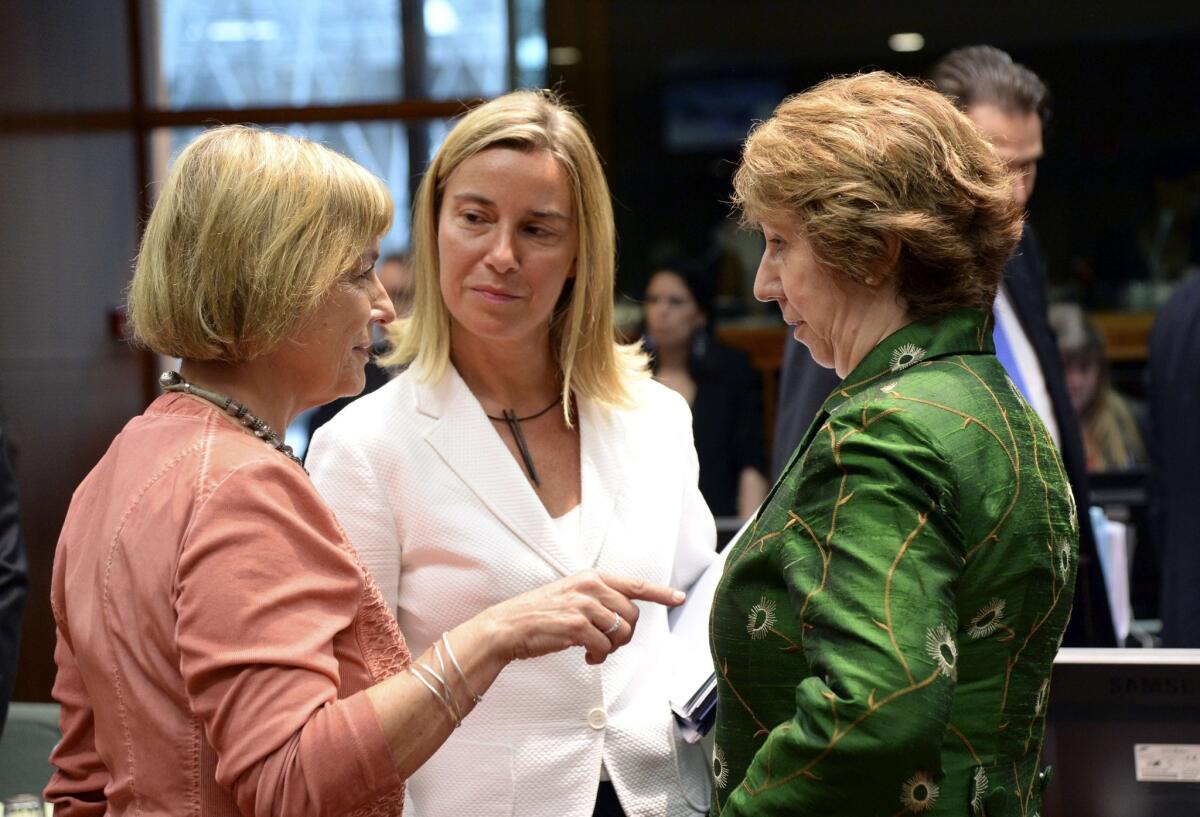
174 382
510 417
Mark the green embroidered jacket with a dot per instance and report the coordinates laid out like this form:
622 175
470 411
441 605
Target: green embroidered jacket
883 633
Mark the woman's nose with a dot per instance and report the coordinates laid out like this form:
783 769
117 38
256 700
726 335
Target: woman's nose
502 256
382 309
766 285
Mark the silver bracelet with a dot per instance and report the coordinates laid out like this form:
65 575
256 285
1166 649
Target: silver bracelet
466 684
443 679
415 670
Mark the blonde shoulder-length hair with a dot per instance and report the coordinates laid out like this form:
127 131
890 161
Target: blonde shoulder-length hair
591 362
249 233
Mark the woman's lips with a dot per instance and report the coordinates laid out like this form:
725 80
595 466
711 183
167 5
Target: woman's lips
494 296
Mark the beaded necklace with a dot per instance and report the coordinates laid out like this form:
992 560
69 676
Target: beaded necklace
174 382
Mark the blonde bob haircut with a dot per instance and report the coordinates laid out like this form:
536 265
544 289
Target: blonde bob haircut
859 159
590 361
249 233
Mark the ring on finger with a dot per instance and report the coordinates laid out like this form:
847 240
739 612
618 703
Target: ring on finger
616 625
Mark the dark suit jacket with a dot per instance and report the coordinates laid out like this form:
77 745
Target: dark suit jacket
1174 391
13 580
804 386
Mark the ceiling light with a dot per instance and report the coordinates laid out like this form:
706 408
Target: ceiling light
906 41
565 55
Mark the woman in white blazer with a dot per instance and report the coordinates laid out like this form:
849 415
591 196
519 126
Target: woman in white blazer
521 445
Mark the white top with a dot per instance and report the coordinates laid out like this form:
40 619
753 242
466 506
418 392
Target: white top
1027 362
569 527
447 523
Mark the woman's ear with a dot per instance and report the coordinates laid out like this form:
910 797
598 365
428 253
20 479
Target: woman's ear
883 267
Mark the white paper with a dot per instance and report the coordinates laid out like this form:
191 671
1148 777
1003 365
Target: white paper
1112 542
691 657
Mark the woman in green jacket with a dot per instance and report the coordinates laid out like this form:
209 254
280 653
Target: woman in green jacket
883 634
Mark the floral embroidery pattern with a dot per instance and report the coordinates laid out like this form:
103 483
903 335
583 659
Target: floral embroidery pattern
906 355
979 787
940 646
919 792
987 620
887 388
761 618
1064 557
720 770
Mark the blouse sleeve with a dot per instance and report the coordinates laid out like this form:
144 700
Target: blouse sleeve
264 586
80 777
346 479
870 565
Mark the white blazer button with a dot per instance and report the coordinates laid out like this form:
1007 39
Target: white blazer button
597 718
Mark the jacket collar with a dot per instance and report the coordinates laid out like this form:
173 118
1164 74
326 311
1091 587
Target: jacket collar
965 331
471 446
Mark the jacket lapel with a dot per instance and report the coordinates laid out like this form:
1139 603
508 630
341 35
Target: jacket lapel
601 479
465 439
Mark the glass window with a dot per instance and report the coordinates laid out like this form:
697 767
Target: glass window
381 147
269 53
529 42
466 48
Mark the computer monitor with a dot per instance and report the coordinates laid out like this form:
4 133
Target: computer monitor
1123 734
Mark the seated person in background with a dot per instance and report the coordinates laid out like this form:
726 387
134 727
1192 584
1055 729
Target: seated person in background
1111 436
718 382
396 275
883 634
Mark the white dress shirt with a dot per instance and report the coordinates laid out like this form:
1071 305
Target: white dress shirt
1027 361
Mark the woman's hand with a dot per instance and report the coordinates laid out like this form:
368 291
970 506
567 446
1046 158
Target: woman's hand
589 609
578 611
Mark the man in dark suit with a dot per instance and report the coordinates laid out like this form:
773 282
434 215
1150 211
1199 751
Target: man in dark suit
14 582
1174 451
1009 104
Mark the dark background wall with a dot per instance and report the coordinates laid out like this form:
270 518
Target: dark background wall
68 227
1123 146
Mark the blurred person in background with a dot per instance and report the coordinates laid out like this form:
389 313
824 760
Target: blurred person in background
396 275
1174 392
14 577
220 647
1112 434
521 444
718 382
883 634
1010 106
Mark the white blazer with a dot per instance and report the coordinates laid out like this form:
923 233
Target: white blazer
447 523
